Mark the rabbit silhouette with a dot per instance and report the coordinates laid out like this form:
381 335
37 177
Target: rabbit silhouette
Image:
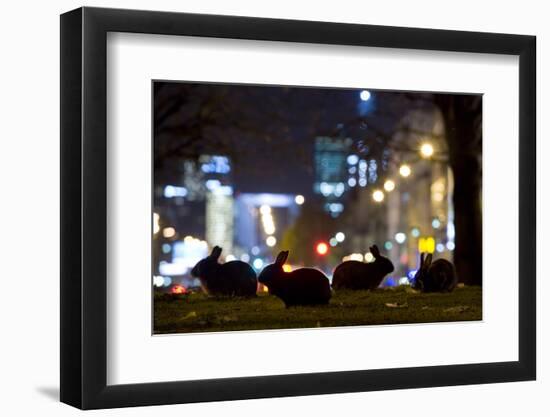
304 286
355 275
234 278
437 276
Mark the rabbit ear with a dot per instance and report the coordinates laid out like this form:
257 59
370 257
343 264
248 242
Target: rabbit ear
422 255
428 261
281 257
216 252
375 251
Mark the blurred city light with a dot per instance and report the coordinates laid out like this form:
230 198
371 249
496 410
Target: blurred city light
450 246
352 182
178 289
389 185
287 268
404 170
169 232
378 196
353 257
322 248
255 250
440 247
158 281
369 257
299 199
166 248
156 225
403 281
271 241
388 245
352 159
230 258
415 232
340 236
245 257
426 150
265 209
333 242
258 263
426 244
436 224
365 95
400 237
171 191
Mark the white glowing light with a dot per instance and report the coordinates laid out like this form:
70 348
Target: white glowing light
299 199
450 245
258 263
352 182
389 185
333 242
440 247
364 95
369 257
400 237
169 232
415 232
426 150
265 209
436 224
352 159
378 196
158 281
245 257
271 241
230 258
404 170
340 236
156 225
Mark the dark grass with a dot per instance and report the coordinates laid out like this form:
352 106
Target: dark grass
199 313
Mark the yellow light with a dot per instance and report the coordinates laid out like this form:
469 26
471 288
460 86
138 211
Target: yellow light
169 232
426 150
378 196
426 244
404 170
299 199
287 268
369 257
156 225
389 185
271 241
265 209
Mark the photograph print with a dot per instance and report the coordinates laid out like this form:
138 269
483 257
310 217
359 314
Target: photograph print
288 207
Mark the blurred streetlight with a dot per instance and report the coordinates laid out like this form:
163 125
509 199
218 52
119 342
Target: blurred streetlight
271 241
389 185
169 232
404 170
426 150
340 236
322 248
299 199
378 196
365 95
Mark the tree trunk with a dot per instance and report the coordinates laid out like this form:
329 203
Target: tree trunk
463 134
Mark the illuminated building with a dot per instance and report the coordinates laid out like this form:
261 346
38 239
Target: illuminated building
331 171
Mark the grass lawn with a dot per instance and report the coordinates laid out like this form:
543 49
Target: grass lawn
199 313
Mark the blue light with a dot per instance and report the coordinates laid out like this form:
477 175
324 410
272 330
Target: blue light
166 248
352 159
365 95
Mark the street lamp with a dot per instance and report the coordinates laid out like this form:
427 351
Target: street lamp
426 150
378 196
404 170
389 185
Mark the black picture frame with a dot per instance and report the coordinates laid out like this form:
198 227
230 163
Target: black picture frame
84 207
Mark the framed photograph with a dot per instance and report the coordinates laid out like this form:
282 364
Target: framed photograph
257 208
